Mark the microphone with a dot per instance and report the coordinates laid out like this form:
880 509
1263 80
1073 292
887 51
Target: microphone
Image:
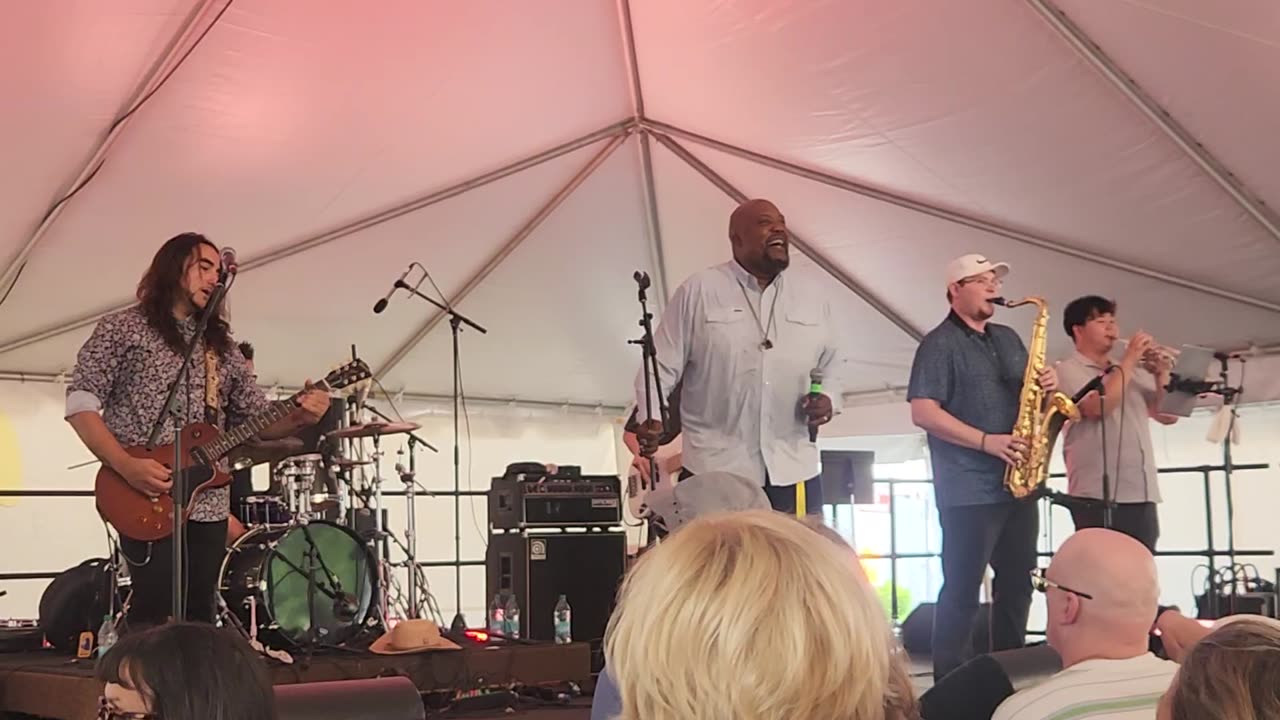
1094 384
641 278
382 304
815 389
229 264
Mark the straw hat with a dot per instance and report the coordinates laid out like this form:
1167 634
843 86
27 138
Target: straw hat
411 636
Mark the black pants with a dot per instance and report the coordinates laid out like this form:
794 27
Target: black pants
783 497
1140 521
152 578
973 536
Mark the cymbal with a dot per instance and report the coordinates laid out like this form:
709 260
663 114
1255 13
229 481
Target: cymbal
372 429
345 463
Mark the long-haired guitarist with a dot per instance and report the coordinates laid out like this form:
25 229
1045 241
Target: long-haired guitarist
118 389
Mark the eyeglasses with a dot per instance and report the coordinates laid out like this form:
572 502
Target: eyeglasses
980 280
1042 584
106 712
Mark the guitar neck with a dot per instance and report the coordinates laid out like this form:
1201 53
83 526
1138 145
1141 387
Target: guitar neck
232 439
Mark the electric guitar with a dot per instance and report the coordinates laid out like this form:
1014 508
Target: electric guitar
137 516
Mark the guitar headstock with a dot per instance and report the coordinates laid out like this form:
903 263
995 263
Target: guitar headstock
349 374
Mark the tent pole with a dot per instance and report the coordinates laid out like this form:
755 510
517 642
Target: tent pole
521 234
809 250
167 58
1078 39
364 223
949 215
654 223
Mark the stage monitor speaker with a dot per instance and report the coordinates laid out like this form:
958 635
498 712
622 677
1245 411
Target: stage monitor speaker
847 476
975 689
917 629
585 567
386 698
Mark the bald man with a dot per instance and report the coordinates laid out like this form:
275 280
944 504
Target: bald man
1101 591
742 338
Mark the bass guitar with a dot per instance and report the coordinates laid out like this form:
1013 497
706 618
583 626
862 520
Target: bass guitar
137 516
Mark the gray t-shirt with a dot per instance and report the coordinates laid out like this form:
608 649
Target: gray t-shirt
977 378
1131 463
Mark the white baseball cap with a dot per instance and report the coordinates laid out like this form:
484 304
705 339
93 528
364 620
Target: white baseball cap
974 264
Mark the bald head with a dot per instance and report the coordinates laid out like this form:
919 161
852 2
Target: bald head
761 243
1119 575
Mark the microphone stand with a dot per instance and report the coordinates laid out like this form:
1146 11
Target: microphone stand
178 491
649 356
455 321
1106 474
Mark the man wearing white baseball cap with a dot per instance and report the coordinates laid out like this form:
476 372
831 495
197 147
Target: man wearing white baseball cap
965 385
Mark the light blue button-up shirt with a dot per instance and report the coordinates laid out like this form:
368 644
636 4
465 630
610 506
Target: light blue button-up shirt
740 403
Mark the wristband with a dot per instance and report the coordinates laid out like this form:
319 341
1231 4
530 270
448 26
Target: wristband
982 444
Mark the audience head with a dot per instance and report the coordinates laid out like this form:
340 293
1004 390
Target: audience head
186 671
751 615
1102 593
1233 673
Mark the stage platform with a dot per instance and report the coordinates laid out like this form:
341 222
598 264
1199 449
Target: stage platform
51 685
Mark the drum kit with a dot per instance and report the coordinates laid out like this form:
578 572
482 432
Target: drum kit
312 568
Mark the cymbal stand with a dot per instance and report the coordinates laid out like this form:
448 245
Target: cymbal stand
379 536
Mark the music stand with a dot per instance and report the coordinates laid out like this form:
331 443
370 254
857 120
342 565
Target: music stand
1187 381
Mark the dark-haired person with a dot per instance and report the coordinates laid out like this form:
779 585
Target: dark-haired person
184 671
1133 391
118 389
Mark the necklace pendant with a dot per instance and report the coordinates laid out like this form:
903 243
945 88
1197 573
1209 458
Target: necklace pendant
767 344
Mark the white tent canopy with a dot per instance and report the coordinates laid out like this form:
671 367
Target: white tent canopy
534 155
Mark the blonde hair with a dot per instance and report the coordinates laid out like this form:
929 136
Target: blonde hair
1231 673
749 615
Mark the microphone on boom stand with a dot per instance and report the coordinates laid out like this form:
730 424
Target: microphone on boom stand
382 304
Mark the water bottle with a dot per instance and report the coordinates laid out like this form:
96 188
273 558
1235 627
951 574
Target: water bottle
513 619
107 635
563 622
497 616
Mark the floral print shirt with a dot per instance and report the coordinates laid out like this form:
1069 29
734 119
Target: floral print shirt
124 371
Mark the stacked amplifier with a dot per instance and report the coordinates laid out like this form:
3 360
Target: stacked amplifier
552 534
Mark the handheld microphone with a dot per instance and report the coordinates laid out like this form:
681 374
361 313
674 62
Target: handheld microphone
229 264
815 389
382 304
641 278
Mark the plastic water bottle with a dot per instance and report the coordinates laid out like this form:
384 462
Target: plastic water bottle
107 635
563 622
513 619
497 616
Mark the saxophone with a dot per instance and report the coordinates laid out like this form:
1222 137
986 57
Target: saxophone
1040 415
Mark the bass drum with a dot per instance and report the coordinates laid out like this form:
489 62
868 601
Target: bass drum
274 578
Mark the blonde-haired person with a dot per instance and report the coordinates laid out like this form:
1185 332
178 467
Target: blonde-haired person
1233 673
752 616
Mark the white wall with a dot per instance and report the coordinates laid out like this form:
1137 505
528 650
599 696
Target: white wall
51 534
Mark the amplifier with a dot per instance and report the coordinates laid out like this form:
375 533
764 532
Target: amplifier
555 502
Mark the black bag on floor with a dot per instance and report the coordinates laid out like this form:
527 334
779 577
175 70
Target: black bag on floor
76 601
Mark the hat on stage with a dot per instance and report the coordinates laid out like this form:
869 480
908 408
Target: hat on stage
974 264
412 636
704 494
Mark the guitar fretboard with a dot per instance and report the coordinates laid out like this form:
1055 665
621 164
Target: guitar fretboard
232 438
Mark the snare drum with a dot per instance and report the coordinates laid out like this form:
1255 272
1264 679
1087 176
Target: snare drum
274 579
267 510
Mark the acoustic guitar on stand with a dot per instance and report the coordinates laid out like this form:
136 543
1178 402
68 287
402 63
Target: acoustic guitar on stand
137 516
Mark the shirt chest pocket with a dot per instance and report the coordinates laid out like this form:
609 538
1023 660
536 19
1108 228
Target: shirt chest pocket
728 329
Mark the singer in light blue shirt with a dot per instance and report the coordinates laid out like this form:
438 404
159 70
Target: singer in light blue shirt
745 337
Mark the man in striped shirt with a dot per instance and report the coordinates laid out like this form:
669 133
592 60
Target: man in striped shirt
1101 592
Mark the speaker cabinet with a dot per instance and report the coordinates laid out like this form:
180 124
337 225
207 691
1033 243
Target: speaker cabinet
585 567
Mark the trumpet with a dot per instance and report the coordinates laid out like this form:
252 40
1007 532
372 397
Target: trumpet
1153 354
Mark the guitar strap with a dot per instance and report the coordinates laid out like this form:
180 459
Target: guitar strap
211 387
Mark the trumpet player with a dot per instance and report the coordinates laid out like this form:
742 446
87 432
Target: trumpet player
966 381
1133 389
